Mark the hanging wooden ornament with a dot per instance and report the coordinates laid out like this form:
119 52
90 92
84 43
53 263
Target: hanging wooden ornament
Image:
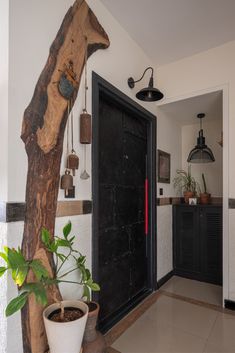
85 118
66 182
72 160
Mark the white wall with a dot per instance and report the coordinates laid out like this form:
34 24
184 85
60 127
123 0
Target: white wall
202 73
169 139
4 49
213 171
33 26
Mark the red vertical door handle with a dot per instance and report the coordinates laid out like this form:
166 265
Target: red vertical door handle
146 207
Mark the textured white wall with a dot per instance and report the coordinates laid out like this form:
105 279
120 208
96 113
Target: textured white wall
4 49
3 294
213 171
169 139
164 241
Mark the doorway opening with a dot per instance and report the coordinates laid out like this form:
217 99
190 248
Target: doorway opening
199 235
124 201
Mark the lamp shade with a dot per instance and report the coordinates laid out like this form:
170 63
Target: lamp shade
201 153
149 94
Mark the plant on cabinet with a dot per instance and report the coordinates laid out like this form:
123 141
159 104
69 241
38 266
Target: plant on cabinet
205 197
184 182
65 319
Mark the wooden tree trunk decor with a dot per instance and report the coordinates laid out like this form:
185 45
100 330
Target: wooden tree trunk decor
43 133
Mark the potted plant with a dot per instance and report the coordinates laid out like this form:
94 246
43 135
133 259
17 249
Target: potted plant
205 197
185 183
93 340
65 319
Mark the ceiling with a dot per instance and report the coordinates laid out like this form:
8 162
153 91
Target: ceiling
185 111
169 30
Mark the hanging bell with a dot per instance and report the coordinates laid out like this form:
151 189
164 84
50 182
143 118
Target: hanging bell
66 182
73 161
85 128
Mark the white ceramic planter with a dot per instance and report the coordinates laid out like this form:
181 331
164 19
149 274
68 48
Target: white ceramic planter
65 337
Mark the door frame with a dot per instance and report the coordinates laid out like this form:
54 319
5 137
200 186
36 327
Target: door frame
99 85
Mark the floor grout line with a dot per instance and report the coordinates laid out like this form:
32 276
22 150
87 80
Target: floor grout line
210 332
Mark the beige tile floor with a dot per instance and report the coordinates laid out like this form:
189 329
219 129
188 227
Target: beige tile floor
175 326
205 292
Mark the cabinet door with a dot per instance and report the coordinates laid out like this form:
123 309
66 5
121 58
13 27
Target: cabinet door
211 238
186 240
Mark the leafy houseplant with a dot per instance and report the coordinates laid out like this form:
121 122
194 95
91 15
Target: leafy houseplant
63 251
205 196
186 183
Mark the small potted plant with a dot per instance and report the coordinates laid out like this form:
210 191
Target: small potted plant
186 184
205 197
65 319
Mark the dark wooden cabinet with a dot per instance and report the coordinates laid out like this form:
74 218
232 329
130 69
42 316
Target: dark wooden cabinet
197 242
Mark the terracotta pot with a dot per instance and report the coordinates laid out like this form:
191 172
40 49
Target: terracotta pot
205 198
93 340
188 195
64 337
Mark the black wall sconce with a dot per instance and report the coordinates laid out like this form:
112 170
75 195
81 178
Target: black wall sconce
148 94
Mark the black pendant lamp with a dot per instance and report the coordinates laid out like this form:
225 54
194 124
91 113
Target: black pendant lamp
201 153
148 94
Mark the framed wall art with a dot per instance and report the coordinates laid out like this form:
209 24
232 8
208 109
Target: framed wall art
164 167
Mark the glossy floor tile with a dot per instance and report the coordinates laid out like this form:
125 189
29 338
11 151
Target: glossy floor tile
205 292
171 325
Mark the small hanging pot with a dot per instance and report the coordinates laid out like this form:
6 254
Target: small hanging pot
66 182
85 128
73 161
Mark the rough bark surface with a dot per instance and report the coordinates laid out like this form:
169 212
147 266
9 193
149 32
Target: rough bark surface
43 133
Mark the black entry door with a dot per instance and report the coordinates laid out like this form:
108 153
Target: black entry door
122 247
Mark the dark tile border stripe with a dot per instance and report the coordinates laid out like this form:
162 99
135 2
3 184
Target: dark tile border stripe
164 201
15 211
231 203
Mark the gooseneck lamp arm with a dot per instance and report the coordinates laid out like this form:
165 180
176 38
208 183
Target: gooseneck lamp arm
131 82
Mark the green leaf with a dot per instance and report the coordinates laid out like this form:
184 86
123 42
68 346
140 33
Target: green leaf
67 229
81 260
38 269
94 286
53 247
38 290
61 256
88 274
86 293
63 242
71 240
4 257
15 258
2 271
18 265
16 304
19 274
45 237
